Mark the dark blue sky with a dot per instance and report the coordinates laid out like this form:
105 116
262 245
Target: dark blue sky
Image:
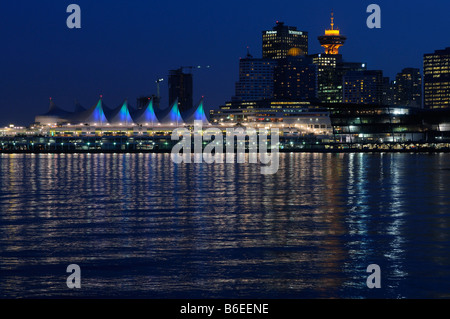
124 46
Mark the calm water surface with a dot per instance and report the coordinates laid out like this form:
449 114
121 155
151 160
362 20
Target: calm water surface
140 226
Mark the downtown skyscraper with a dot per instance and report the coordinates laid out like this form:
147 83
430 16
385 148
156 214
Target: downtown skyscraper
281 39
436 69
255 79
408 88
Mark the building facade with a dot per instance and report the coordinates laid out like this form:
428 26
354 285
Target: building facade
295 78
181 88
281 39
329 82
255 79
436 68
363 87
408 87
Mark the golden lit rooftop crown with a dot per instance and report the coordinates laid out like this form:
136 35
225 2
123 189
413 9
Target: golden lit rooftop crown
332 31
332 40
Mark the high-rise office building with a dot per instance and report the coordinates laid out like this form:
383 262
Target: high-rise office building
330 71
329 80
363 87
330 66
295 78
255 79
389 91
436 71
408 88
281 39
181 88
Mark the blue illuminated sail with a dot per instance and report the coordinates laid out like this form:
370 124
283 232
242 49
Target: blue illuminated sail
174 116
198 114
93 116
148 116
121 115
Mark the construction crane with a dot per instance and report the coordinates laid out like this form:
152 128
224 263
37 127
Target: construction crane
192 68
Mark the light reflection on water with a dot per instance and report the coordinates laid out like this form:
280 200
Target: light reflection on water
140 226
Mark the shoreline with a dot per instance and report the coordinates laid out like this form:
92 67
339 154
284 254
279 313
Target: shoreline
320 151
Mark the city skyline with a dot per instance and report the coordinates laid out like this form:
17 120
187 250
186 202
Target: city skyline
230 158
71 65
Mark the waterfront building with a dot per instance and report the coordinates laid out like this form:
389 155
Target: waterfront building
436 68
276 43
299 116
54 115
371 123
300 123
122 117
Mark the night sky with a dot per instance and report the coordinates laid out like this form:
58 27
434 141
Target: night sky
124 46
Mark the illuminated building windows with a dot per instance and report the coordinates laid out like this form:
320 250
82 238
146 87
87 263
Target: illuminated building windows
281 39
436 79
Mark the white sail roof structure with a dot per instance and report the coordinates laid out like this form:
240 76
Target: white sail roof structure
54 115
147 116
121 115
173 117
198 114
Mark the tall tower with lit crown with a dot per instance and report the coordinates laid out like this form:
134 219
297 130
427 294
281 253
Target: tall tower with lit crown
332 40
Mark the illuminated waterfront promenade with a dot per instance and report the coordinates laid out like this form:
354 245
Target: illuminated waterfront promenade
140 140
302 127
